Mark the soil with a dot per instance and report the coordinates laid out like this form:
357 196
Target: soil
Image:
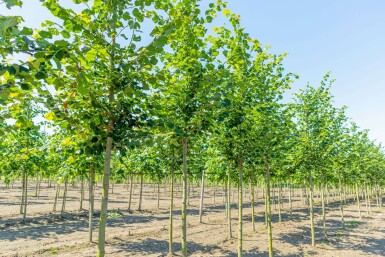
145 233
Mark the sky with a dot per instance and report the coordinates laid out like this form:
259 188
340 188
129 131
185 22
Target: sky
345 37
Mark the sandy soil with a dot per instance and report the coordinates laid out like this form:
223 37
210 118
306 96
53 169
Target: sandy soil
145 233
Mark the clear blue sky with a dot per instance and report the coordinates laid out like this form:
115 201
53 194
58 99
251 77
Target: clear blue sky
346 37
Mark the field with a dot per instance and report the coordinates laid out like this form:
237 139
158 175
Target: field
145 233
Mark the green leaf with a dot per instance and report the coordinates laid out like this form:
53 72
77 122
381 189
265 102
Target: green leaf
25 86
45 34
50 116
138 14
10 3
91 55
8 22
26 31
40 75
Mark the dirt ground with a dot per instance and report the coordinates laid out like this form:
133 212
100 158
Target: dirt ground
145 233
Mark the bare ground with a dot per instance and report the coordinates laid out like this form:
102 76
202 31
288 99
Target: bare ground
145 233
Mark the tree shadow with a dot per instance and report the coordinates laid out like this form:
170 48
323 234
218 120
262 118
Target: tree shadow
52 224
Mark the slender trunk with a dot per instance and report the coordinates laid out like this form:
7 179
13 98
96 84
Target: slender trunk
252 202
280 202
25 197
341 201
370 199
170 246
229 205
63 206
311 208
22 193
105 190
226 201
365 192
130 196
107 158
91 205
202 195
265 199
140 193
56 196
323 210
240 207
268 207
290 201
37 184
184 199
274 201
39 188
358 201
158 197
81 194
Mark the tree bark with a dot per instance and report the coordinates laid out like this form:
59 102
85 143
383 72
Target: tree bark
57 195
170 244
201 198
184 199
358 201
240 207
130 196
268 202
81 194
323 210
311 188
158 196
63 205
91 205
140 193
25 197
252 202
229 205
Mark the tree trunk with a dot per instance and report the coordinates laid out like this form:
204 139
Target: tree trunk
226 201
158 196
57 195
240 207
140 193
91 204
130 196
252 202
341 201
201 199
323 210
268 206
358 201
265 198
105 190
63 205
229 205
107 160
290 201
25 197
311 188
81 194
170 245
22 193
279 202
37 184
184 199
